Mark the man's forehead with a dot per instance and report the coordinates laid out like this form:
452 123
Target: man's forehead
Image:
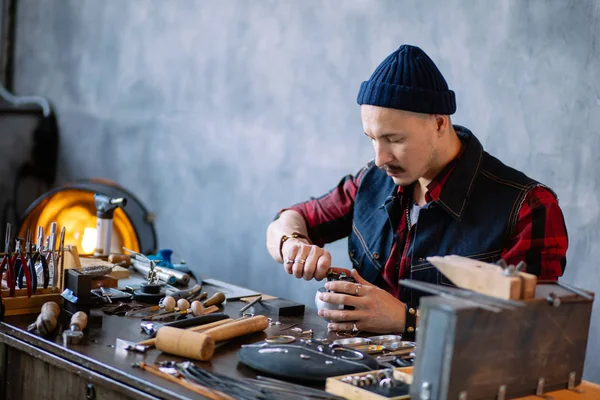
381 117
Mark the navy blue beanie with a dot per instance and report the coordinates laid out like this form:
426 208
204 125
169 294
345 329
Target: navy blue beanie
408 80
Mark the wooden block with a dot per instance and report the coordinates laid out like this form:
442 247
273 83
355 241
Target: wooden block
105 281
72 257
528 285
264 297
281 307
119 273
480 277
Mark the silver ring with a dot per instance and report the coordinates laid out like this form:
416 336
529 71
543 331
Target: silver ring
288 261
299 261
356 288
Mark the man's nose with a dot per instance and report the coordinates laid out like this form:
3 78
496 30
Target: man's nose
382 155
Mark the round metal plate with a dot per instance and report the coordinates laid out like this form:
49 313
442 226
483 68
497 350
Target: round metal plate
280 339
350 342
399 345
383 339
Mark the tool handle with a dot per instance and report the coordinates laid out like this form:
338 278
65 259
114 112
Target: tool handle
119 258
181 294
238 328
80 320
201 346
169 303
47 320
183 304
197 308
216 299
152 342
52 308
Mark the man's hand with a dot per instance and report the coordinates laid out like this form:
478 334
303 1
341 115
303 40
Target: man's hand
375 310
304 260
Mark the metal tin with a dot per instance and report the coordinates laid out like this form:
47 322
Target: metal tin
351 342
383 339
280 339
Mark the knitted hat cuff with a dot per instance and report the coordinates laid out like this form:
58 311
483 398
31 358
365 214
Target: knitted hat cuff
407 98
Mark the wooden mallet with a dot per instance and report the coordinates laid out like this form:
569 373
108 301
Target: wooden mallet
201 346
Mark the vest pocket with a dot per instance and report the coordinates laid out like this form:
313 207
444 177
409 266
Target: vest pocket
357 259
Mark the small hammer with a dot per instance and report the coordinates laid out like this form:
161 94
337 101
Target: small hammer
76 327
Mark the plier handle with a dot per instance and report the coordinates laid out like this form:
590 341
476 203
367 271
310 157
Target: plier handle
23 268
28 265
8 264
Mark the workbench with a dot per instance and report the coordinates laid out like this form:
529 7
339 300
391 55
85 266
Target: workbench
32 367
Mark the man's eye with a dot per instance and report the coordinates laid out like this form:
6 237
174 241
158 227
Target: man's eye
396 140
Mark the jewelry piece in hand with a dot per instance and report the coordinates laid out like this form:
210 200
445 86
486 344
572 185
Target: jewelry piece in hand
299 261
354 328
356 289
288 261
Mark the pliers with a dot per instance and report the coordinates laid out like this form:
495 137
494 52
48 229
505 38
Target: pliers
37 255
8 263
27 266
19 261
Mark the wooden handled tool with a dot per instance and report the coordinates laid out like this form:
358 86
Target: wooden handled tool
76 326
120 258
200 328
47 320
186 294
201 346
215 300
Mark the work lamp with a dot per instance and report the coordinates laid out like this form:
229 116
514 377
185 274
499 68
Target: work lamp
72 206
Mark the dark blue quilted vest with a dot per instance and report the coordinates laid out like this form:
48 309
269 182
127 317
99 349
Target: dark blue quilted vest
473 217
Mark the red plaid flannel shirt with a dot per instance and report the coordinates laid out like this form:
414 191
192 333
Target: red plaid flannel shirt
540 228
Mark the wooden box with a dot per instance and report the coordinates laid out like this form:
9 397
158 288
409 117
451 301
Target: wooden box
465 352
335 385
20 304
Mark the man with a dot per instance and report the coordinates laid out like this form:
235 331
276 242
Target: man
431 190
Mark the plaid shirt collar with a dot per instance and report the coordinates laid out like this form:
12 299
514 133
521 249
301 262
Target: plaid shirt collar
458 185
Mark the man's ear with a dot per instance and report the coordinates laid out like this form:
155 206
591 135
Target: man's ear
442 122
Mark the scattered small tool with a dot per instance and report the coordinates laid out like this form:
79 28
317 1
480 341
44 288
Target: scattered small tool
168 304
196 309
186 294
151 328
47 320
253 302
131 346
76 327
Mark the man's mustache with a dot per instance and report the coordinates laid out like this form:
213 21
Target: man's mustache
392 169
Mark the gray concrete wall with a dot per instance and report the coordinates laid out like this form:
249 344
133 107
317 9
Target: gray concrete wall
219 113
